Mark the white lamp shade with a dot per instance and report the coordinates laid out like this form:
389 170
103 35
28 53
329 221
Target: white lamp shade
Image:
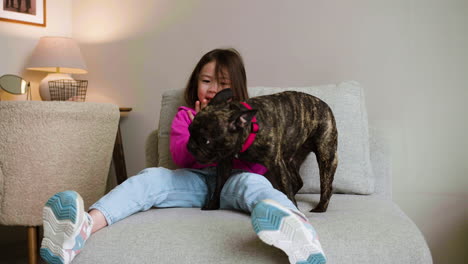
57 54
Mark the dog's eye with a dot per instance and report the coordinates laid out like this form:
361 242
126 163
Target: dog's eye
207 141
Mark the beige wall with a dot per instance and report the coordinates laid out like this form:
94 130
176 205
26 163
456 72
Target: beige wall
17 42
410 56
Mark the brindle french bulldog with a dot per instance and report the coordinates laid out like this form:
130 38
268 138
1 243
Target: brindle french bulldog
290 126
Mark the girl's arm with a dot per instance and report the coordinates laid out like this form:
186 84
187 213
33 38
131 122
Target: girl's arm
179 138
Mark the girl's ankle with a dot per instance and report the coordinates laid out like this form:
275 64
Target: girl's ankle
99 221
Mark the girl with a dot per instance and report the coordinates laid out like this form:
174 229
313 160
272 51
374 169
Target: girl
246 189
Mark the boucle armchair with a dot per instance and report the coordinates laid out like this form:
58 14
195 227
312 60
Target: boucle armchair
48 147
362 224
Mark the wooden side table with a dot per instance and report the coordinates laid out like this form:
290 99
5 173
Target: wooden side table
118 155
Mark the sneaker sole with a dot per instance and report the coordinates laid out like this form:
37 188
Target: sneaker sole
62 215
285 231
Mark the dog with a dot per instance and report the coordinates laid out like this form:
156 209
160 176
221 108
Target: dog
277 131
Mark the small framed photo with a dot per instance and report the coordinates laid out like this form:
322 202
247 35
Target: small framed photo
30 12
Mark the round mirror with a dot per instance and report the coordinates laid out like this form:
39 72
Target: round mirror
13 84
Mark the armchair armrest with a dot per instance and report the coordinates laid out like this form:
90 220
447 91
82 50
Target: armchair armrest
151 149
381 161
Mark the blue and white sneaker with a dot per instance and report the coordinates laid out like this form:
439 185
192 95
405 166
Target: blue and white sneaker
66 227
281 227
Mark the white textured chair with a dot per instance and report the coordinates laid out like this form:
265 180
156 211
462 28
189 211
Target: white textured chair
48 147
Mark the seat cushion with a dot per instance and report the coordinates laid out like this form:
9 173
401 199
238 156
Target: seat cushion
355 229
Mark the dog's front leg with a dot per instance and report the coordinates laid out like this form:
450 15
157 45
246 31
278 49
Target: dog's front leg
223 172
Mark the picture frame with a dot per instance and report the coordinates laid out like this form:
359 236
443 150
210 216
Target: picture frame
29 12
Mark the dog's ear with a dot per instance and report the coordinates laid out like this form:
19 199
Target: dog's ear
242 120
223 96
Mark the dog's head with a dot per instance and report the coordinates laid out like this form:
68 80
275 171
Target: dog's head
218 131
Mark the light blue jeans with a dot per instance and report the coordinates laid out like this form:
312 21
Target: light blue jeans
160 187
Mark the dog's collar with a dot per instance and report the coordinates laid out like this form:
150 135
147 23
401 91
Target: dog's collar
253 131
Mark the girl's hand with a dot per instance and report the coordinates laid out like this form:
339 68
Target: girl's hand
198 108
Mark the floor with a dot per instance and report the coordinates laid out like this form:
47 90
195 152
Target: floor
14 250
15 254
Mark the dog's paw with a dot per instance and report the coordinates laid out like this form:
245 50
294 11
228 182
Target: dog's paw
319 209
211 205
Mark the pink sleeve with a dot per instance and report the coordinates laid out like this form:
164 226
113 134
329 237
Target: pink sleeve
179 138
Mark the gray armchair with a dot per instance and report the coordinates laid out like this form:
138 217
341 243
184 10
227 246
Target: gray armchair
48 147
362 223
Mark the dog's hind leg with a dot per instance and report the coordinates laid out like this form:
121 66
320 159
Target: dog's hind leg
280 171
327 167
327 159
295 181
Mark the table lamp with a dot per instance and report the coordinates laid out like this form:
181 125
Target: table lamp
60 56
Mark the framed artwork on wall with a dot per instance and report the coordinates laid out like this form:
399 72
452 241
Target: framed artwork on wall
30 12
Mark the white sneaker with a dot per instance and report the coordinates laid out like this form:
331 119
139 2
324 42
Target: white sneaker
279 226
66 227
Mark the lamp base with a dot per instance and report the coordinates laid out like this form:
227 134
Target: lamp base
44 85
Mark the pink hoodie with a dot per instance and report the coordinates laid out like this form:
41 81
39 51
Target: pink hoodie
184 159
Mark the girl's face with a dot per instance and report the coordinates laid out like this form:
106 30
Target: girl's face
209 84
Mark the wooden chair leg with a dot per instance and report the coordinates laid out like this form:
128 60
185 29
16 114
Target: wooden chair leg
32 244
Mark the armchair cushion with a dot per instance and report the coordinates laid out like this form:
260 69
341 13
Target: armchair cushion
355 229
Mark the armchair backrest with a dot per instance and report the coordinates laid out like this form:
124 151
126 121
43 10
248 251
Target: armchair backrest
354 174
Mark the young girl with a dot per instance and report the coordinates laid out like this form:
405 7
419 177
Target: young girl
246 190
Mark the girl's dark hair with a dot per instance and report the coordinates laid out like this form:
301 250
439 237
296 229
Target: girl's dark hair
228 60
